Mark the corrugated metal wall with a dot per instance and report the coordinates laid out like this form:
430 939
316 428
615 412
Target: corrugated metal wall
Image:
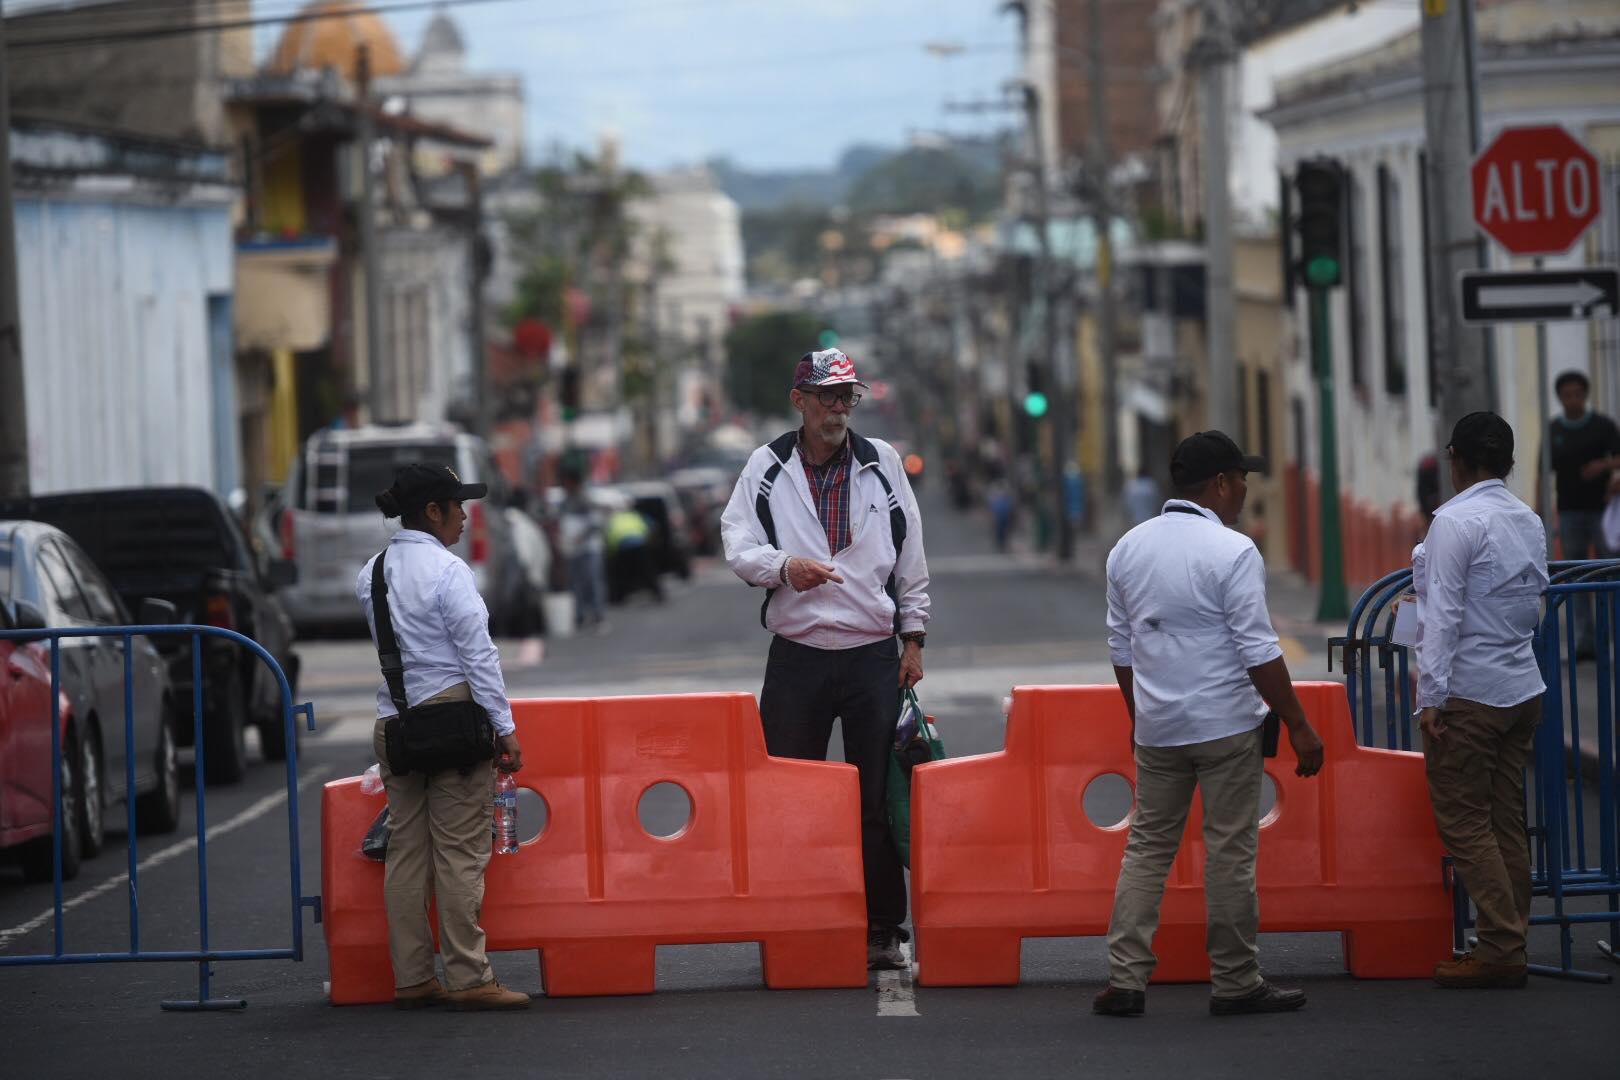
115 336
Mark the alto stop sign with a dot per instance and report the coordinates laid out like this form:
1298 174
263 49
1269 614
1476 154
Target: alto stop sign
1536 189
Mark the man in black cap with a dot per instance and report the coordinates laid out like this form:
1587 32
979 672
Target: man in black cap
1198 663
439 845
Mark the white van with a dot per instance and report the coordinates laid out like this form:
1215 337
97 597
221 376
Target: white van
330 525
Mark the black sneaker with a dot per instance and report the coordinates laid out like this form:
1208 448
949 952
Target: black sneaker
1265 998
883 951
1117 1001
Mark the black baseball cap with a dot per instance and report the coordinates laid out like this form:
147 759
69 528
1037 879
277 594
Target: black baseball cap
1204 454
417 485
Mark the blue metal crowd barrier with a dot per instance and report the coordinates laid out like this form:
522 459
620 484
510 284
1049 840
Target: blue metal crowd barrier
204 955
1569 861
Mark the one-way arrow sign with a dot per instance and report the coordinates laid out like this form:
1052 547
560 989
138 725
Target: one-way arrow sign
1540 295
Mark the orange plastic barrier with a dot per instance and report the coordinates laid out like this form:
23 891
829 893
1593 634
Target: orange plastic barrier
771 853
1002 848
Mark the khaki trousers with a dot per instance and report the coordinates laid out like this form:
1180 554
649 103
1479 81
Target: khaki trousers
1476 783
1227 773
438 847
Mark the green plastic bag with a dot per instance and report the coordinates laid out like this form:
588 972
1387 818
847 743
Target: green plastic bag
916 742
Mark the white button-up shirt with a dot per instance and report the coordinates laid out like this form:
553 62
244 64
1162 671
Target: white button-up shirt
441 624
1187 614
1479 576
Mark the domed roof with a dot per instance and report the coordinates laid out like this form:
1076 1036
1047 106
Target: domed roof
332 41
442 36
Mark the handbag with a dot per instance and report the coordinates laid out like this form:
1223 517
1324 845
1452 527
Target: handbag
428 738
916 742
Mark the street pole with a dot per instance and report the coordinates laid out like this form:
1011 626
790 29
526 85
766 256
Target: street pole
1047 290
1544 473
1451 133
13 405
1332 606
368 238
1101 161
1214 50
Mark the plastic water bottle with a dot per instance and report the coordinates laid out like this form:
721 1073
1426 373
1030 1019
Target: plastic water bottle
505 824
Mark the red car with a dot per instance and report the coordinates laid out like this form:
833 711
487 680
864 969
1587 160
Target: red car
25 750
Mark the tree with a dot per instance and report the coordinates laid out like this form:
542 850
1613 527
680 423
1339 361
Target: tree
760 353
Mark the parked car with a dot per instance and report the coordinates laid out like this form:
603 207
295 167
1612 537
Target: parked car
47 580
657 501
704 491
184 545
330 525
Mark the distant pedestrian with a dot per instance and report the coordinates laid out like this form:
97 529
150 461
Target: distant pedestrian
1198 663
631 565
1142 497
580 532
1479 577
825 521
439 844
1001 511
1585 450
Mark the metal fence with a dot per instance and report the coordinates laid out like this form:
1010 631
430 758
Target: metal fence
204 955
1575 848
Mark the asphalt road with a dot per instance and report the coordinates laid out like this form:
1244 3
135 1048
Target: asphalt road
999 621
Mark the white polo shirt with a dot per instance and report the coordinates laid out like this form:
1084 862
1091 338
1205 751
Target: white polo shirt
441 625
1187 614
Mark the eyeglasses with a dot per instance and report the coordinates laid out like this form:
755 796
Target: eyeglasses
829 398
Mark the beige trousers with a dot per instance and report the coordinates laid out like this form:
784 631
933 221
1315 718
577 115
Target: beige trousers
438 847
1476 783
1227 773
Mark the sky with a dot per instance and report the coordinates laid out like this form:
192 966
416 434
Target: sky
768 83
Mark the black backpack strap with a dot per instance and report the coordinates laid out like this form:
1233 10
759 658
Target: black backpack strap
782 448
897 530
393 665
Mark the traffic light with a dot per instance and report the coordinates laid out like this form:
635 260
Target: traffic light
568 391
1035 402
1320 184
828 339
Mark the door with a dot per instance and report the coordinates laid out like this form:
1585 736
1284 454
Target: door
92 667
146 668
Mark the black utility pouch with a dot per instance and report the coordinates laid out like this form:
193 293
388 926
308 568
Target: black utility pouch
1270 731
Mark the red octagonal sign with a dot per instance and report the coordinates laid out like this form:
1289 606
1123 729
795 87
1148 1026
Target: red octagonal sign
1536 189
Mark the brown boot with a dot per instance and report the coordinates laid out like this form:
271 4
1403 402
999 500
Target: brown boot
491 995
420 996
1469 973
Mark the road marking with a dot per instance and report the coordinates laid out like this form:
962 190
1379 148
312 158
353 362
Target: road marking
1295 653
158 858
895 997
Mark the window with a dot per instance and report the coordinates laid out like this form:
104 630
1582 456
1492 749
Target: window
1428 281
65 604
1355 268
98 595
1391 259
1262 408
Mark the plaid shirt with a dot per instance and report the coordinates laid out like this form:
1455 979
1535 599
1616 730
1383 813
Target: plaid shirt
829 487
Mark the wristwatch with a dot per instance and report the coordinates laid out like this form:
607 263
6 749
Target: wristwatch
915 636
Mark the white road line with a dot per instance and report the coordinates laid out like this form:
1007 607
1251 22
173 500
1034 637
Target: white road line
158 858
895 997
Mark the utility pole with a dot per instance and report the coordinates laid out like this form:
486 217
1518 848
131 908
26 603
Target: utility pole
13 405
1103 200
1212 53
1451 133
478 267
368 237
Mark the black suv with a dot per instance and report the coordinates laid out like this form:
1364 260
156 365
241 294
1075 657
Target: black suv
183 545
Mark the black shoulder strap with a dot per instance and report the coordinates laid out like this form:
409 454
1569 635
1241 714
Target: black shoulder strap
393 666
897 529
782 448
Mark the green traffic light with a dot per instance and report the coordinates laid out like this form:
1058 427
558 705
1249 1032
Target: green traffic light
1322 271
1035 404
828 339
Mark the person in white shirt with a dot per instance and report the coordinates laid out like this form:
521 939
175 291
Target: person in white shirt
825 521
439 841
1479 576
1198 663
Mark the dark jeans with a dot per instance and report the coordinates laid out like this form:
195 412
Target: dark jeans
805 689
1581 532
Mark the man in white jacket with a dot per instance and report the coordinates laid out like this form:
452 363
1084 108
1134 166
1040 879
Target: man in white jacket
824 520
